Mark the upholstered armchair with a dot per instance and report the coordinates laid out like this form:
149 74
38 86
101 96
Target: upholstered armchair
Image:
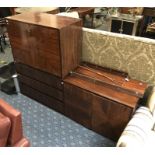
140 130
11 132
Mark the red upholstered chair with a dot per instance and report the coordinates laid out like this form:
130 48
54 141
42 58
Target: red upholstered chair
5 124
10 116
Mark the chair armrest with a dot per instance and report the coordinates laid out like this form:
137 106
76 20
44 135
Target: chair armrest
5 125
150 103
16 131
22 143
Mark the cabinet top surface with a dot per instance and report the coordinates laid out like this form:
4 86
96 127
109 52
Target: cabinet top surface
103 91
44 19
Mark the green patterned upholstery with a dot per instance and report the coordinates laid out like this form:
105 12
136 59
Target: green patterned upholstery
134 55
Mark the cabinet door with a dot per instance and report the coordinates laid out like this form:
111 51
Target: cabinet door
78 104
109 118
127 27
116 26
44 43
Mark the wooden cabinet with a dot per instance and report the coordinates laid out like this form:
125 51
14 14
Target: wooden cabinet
47 42
101 106
120 26
125 24
45 48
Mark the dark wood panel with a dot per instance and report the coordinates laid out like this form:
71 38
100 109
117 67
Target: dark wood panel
78 104
41 87
34 37
113 78
71 47
105 69
42 98
102 90
48 62
20 28
23 56
44 39
109 117
39 75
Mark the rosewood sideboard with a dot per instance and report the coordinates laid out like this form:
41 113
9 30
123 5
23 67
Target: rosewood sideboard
47 52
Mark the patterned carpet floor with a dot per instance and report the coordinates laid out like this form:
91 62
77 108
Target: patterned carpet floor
46 128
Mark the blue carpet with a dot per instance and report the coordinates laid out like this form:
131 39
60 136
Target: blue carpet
46 128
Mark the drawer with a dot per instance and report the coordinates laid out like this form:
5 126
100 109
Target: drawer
42 98
39 75
41 87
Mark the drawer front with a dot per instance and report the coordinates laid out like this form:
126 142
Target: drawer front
41 87
42 98
78 104
38 75
109 117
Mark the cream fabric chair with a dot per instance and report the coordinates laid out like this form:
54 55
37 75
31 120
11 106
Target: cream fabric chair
139 129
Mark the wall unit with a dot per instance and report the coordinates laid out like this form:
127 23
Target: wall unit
46 48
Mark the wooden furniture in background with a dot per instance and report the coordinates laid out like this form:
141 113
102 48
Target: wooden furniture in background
124 23
147 12
83 11
45 48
